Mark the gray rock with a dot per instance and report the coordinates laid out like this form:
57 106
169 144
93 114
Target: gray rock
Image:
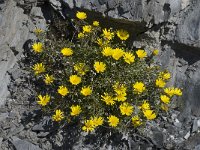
42 134
7 60
198 123
3 116
36 12
177 123
172 25
38 17
156 136
169 146
15 27
55 4
192 142
20 144
14 131
197 147
13 33
191 94
133 145
15 72
195 126
43 125
187 31
59 139
28 4
38 127
187 135
1 139
152 12
174 116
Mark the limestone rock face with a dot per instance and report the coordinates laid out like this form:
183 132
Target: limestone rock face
172 26
15 29
188 28
184 13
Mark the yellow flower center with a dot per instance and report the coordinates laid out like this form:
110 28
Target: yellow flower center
81 15
74 79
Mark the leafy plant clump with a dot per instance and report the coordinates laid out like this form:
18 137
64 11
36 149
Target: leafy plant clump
98 80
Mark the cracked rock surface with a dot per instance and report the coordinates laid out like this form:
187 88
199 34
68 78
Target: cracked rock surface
169 25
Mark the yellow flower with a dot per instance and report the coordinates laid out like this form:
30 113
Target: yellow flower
86 91
119 88
75 110
99 66
138 87
113 121
129 57
67 51
39 68
37 47
145 105
63 90
107 51
87 28
155 52
126 109
165 99
96 23
81 68
81 15
48 79
97 121
117 53
164 75
43 100
74 79
88 126
121 96
160 83
37 31
169 91
109 100
149 114
99 42
108 34
177 92
136 121
141 53
58 116
123 34
80 35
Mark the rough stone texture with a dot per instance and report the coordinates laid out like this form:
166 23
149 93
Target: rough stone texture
15 29
169 25
12 37
192 143
22 144
184 14
188 28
